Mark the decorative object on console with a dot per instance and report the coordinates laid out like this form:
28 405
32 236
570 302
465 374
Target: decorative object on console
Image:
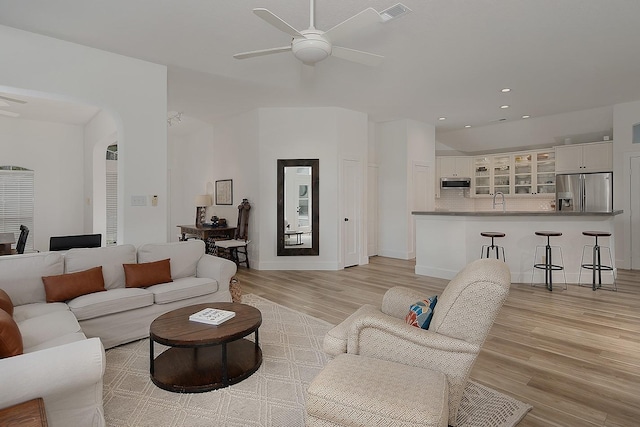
224 192
202 201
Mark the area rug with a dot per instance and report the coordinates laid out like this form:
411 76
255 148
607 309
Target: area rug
292 354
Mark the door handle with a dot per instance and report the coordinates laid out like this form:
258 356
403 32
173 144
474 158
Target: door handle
346 219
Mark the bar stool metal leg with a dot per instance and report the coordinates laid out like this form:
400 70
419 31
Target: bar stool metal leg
596 266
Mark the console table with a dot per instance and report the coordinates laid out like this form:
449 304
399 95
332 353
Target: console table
204 232
6 240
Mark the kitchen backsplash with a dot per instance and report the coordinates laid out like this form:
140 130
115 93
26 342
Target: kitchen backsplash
459 200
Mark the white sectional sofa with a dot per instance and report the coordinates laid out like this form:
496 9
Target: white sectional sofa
63 342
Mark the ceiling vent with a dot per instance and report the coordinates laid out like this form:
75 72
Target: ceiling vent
394 12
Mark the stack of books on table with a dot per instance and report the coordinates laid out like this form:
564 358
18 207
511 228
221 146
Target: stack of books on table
212 316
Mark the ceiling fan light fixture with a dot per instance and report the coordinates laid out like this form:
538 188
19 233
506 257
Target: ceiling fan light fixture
314 48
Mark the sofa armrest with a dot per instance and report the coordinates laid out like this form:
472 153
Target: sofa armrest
216 268
52 373
397 300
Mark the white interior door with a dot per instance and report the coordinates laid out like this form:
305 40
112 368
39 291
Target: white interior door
351 210
635 212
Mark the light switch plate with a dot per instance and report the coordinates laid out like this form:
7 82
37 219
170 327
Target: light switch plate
138 200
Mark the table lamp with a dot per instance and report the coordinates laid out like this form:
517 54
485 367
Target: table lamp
202 202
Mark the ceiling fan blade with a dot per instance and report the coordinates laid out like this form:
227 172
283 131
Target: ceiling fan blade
355 23
365 58
19 101
9 113
277 22
253 53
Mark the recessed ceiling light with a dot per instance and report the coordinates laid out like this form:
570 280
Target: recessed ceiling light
504 106
525 117
467 126
505 90
442 118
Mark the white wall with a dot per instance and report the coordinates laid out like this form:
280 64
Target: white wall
54 152
134 92
400 144
191 172
624 117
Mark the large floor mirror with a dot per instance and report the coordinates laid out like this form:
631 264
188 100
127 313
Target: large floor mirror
298 207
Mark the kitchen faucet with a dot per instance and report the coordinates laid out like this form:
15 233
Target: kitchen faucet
502 203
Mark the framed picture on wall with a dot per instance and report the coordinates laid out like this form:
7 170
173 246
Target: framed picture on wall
224 192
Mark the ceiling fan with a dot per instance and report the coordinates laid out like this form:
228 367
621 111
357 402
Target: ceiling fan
4 104
312 45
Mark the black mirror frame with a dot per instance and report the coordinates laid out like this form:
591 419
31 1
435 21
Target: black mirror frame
314 250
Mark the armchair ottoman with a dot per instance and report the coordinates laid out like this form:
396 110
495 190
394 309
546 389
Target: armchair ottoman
360 391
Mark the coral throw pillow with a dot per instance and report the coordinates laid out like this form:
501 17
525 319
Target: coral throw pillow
421 312
68 286
10 338
147 273
5 302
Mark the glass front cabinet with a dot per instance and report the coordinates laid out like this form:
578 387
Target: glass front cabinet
519 174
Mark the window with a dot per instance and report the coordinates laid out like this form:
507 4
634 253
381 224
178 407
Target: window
16 201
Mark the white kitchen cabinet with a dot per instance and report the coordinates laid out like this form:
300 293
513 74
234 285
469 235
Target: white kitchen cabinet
454 166
534 173
583 158
526 174
492 174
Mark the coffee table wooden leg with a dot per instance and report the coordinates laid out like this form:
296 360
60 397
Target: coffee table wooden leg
225 372
151 356
257 343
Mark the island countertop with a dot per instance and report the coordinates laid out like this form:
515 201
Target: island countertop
517 213
446 241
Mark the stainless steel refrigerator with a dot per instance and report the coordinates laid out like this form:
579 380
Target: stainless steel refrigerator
585 192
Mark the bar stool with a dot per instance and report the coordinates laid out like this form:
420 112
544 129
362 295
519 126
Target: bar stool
548 266
492 247
596 263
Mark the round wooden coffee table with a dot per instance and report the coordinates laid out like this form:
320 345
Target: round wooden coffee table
204 357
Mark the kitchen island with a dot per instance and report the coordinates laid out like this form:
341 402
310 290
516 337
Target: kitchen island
447 241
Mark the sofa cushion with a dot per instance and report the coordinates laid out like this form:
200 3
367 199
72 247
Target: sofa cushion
40 329
27 311
5 302
10 337
54 342
22 275
67 286
421 312
113 301
147 273
110 258
184 256
180 289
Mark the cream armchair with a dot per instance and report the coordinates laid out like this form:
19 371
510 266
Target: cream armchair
461 321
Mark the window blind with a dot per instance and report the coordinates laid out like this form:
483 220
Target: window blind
16 203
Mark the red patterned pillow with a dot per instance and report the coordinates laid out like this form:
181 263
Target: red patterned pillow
421 312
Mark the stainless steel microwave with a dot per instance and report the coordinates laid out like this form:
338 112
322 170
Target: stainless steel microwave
455 182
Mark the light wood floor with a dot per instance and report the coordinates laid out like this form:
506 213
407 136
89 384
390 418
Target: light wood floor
574 355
